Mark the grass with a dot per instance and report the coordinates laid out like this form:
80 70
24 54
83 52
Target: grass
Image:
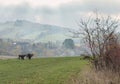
40 71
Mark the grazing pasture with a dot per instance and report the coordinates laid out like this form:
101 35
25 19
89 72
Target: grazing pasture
40 70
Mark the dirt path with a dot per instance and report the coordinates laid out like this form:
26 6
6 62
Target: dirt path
7 57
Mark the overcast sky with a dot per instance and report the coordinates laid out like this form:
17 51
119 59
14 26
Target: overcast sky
55 12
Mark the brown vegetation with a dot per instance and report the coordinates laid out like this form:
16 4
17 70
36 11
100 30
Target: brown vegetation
93 77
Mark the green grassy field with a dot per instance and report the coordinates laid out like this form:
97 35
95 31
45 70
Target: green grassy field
40 71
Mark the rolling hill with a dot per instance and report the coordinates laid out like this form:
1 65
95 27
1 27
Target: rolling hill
22 30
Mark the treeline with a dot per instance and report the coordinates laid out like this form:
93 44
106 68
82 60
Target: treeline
13 48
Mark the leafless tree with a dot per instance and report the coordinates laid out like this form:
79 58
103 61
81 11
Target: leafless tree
99 32
96 32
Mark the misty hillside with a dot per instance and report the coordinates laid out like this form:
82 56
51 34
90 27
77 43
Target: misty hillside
21 29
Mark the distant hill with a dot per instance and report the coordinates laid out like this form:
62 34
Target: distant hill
22 29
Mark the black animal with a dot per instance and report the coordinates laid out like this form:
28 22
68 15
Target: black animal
29 56
87 57
21 57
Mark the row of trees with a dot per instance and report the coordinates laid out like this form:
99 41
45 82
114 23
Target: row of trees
13 48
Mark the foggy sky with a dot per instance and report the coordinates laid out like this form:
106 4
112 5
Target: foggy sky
55 12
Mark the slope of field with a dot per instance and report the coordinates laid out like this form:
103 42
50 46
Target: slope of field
39 71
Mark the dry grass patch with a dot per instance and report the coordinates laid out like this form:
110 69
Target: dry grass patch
95 77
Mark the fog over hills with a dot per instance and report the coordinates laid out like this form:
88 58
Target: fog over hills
22 30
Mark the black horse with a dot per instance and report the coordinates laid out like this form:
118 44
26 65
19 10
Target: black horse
21 57
29 56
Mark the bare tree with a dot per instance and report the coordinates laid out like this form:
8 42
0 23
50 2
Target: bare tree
96 32
99 32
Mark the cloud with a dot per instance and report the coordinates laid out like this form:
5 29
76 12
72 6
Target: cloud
61 12
34 3
106 6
